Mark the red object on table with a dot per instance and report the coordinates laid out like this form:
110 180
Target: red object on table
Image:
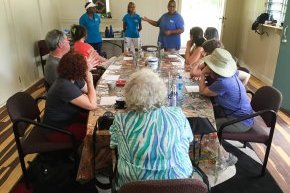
120 82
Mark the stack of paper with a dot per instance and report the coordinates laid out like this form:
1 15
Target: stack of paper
108 77
108 100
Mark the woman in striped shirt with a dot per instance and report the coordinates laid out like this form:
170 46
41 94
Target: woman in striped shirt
152 140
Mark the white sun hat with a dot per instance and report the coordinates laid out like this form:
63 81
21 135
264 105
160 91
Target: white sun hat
221 62
90 4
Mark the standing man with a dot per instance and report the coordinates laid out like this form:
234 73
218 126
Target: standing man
171 25
91 21
132 26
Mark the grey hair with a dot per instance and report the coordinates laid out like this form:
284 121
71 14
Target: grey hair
145 91
53 38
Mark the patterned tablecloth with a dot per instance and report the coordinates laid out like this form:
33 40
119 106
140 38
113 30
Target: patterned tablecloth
193 105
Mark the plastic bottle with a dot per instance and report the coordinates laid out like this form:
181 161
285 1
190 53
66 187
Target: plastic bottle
111 32
107 32
179 86
173 101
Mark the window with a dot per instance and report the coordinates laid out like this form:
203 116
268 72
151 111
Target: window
277 8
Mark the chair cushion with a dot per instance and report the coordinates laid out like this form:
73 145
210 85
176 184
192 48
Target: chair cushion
36 142
259 133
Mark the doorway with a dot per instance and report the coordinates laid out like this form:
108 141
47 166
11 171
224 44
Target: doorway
201 13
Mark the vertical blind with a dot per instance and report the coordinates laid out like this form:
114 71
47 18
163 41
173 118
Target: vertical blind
277 8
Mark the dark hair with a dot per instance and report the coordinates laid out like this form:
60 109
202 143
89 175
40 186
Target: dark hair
211 33
198 42
72 66
171 1
129 4
210 45
196 33
78 32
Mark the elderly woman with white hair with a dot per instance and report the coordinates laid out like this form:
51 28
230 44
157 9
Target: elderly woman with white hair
152 140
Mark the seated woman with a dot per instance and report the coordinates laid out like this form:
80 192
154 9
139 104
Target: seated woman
79 35
211 33
70 95
228 91
194 51
152 140
209 46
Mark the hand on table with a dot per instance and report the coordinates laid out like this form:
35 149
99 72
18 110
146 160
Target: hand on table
92 59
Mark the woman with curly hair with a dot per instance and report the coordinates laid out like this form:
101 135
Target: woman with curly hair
79 35
69 97
152 139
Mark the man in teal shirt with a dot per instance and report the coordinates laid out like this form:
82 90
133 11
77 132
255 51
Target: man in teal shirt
91 21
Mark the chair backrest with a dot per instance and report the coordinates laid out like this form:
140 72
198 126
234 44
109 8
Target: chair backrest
266 98
42 47
165 186
22 105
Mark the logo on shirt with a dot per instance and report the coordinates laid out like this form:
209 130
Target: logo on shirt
171 21
136 21
96 19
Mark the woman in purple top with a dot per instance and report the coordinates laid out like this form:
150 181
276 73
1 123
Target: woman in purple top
171 25
228 91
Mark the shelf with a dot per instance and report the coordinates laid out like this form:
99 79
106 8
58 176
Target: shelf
272 26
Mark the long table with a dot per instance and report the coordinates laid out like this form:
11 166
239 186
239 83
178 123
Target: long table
193 105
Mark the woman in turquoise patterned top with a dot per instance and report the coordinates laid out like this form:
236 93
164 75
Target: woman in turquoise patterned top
152 140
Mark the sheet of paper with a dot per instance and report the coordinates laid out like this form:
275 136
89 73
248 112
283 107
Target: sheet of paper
190 89
108 100
108 77
172 56
114 67
127 58
176 63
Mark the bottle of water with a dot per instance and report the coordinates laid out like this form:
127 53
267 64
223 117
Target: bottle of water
107 32
179 86
111 32
172 97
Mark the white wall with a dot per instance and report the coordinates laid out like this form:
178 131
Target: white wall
259 53
22 24
151 8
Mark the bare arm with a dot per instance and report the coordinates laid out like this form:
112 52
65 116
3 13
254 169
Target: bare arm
203 89
152 22
87 101
244 77
193 57
140 26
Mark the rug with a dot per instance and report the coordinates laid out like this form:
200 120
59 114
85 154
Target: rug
247 179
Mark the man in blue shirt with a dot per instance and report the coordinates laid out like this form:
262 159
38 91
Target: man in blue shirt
171 25
91 21
132 26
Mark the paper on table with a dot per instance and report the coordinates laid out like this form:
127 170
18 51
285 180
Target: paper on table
109 100
111 77
172 56
114 67
176 63
190 89
127 58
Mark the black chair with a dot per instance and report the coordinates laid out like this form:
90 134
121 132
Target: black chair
29 136
265 102
43 51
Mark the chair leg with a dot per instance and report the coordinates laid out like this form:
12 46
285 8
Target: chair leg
266 159
24 172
